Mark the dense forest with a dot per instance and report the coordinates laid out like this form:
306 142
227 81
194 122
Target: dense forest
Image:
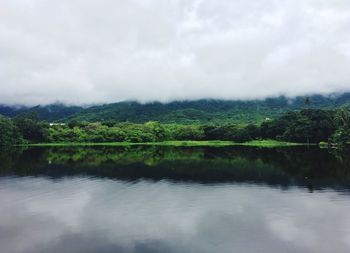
183 112
50 113
208 111
304 126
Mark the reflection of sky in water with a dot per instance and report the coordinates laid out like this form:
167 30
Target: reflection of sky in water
89 215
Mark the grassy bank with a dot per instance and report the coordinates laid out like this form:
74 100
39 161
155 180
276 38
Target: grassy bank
256 143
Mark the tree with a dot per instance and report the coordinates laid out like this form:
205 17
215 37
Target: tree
9 133
342 134
31 128
156 129
342 117
188 132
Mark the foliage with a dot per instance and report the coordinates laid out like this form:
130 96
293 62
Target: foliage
305 126
311 125
342 134
240 112
50 113
30 128
124 132
207 111
9 133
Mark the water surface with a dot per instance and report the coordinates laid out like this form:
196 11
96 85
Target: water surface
163 199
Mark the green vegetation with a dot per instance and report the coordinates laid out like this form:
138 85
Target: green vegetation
256 143
22 129
306 126
207 111
211 111
30 128
9 133
271 143
51 112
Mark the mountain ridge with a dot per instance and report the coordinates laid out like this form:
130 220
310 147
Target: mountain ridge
186 112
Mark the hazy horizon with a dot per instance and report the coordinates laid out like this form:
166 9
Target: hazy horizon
91 52
87 105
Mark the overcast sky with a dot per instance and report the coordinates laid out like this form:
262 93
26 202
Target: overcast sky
92 51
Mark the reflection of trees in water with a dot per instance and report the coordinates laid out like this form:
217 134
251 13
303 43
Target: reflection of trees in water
8 159
121 155
279 166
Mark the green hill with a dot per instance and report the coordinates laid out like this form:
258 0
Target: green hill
205 111
50 113
185 112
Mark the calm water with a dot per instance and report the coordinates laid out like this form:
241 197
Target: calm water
174 200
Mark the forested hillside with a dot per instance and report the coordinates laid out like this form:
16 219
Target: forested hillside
183 112
50 113
206 111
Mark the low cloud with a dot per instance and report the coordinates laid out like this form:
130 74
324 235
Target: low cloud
89 51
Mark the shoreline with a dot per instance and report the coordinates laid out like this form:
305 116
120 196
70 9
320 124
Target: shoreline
256 143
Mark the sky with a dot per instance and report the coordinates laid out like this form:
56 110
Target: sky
100 51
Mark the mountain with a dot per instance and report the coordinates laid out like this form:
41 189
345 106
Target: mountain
185 112
205 111
50 113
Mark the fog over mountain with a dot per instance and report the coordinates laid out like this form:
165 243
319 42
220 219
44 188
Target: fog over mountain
89 51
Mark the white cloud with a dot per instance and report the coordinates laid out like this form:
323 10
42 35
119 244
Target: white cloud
85 51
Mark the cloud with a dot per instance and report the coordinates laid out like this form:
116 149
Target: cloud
89 51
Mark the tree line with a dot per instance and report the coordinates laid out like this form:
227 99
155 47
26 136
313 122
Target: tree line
305 126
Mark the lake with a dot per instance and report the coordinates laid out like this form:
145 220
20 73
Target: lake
172 200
